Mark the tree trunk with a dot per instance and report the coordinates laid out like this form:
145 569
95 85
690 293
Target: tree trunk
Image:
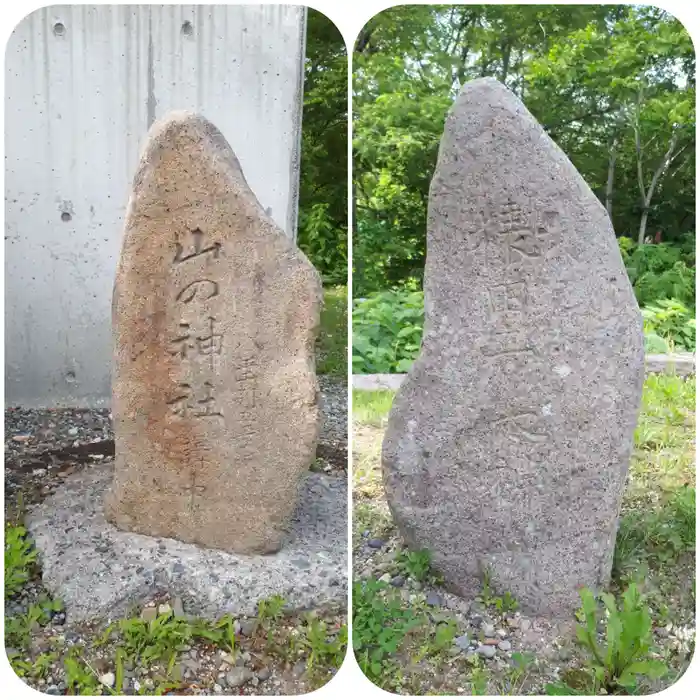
611 178
506 61
643 226
668 157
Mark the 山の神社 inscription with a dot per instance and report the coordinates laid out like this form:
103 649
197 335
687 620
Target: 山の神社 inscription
214 390
508 442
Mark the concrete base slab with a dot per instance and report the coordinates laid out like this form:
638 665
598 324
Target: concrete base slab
99 571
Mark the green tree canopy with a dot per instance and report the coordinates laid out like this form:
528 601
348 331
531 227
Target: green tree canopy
613 85
323 192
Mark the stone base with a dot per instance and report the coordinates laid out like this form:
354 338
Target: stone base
99 571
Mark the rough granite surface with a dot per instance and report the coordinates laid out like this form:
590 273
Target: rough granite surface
98 570
508 443
215 314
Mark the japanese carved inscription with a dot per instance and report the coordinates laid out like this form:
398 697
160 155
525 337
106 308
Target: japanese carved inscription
214 387
508 443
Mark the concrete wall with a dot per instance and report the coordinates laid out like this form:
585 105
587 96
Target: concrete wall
83 85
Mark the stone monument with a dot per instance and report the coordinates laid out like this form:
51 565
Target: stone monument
215 314
508 443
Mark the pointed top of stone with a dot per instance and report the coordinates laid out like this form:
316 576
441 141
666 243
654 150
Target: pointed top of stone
188 146
488 125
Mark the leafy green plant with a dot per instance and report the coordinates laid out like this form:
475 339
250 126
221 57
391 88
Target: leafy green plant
415 564
323 209
486 597
380 625
323 647
668 325
324 241
444 636
227 625
21 666
617 663
332 343
81 678
160 639
387 331
661 271
507 604
18 628
38 668
20 558
479 681
271 609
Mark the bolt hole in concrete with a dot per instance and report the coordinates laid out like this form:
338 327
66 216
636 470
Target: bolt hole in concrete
187 28
59 29
70 376
65 216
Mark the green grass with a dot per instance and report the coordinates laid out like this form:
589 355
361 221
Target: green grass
371 407
332 345
655 537
657 523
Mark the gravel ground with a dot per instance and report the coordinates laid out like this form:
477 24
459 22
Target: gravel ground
42 447
483 632
255 668
493 636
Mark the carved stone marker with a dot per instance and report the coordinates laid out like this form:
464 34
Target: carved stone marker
214 319
508 444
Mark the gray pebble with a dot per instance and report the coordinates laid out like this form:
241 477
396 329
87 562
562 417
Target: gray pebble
376 543
178 608
488 652
237 677
488 630
247 627
398 581
107 679
504 645
433 599
462 642
149 614
264 674
190 665
299 668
